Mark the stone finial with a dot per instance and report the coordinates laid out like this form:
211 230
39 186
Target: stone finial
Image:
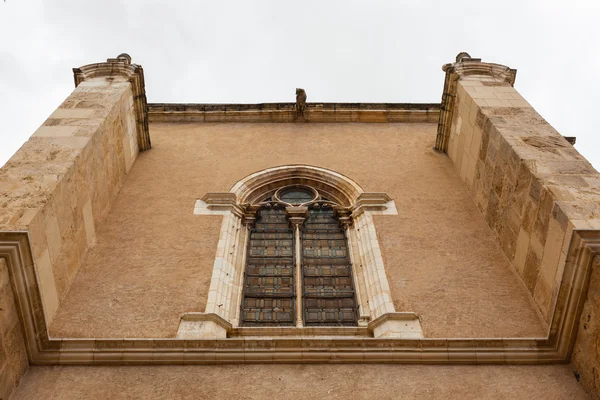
300 102
126 57
462 55
121 58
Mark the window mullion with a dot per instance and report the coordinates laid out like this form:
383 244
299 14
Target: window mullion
299 308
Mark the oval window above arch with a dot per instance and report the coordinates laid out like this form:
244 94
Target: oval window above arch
296 195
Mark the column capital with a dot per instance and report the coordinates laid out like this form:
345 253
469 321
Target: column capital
249 214
297 215
344 216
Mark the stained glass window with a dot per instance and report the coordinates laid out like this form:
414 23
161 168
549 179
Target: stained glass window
269 293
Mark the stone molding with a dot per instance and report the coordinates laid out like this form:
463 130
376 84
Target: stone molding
122 66
338 187
286 112
463 68
556 348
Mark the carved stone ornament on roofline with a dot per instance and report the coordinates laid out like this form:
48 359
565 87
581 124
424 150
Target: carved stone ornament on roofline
464 67
122 66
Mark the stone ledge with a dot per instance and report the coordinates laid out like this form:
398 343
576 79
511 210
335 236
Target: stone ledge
286 112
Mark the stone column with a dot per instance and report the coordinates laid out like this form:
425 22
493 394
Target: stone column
297 215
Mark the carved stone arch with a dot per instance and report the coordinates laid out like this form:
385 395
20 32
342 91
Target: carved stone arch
260 184
238 208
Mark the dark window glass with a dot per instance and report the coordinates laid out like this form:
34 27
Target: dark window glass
269 289
296 195
328 290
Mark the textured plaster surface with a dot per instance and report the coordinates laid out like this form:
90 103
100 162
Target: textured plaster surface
154 257
301 382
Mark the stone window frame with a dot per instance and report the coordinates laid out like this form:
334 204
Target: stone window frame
377 314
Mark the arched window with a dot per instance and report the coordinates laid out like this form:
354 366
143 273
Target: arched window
298 248
298 270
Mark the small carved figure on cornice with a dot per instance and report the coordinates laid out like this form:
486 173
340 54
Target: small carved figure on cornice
126 57
300 102
463 55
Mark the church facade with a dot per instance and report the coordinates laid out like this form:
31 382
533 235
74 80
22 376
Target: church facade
267 250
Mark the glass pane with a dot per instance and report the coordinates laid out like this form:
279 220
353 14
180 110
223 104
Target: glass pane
296 195
269 290
328 290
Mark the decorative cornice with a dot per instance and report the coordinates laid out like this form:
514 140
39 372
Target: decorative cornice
464 66
122 66
556 348
286 112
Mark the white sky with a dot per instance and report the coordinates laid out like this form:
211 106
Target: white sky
260 51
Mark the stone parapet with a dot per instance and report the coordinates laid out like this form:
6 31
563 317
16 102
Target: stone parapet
286 112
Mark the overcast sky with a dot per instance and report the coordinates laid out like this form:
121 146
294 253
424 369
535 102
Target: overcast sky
260 51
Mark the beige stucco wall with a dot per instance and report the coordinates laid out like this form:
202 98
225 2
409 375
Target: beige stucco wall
552 382
154 257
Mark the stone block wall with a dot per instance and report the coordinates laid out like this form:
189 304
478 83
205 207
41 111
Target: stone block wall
59 186
13 355
531 185
534 189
